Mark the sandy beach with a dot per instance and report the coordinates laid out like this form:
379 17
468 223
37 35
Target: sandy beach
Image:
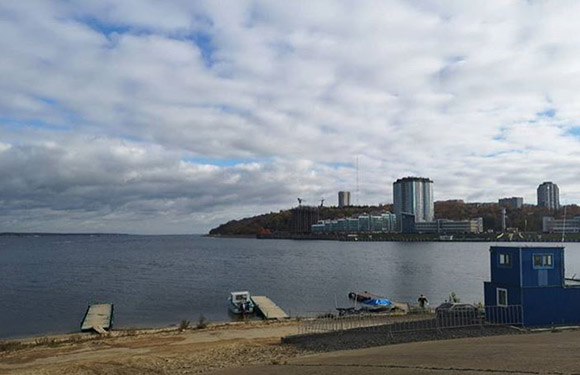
255 348
164 351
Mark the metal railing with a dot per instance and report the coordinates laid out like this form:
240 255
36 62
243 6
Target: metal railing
428 320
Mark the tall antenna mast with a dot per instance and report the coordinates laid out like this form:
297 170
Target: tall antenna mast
357 192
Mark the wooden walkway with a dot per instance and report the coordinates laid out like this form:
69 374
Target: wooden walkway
268 308
98 318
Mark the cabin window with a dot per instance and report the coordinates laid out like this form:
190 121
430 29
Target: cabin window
502 297
542 261
505 260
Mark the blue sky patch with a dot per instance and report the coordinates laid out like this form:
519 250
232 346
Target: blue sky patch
547 113
205 44
103 28
574 131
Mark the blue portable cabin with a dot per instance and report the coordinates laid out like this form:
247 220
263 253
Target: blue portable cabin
533 278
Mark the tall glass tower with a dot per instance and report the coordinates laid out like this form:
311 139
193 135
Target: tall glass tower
413 196
343 198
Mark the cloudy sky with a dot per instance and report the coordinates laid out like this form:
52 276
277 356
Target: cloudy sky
147 116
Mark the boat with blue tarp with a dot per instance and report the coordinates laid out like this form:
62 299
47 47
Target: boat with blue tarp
371 302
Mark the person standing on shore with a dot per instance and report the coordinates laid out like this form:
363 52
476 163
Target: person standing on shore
423 302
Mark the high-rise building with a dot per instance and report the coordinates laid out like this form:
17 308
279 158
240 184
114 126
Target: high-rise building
414 196
302 219
513 202
343 198
549 195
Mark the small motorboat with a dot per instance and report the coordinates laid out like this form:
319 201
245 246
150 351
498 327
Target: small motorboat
241 303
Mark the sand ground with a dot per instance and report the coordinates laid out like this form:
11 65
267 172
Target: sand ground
166 352
254 348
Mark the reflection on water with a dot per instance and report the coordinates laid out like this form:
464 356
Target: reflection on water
47 281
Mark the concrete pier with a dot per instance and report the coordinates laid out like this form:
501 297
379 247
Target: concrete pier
268 308
99 317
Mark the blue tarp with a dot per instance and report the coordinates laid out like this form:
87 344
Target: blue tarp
377 302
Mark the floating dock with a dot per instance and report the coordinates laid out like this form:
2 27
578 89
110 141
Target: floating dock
99 318
268 308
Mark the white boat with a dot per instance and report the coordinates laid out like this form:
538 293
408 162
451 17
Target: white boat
241 303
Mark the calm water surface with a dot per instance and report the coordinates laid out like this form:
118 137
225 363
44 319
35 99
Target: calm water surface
46 282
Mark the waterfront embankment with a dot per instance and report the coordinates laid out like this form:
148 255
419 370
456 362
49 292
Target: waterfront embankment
257 348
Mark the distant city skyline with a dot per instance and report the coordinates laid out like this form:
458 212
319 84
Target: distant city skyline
175 117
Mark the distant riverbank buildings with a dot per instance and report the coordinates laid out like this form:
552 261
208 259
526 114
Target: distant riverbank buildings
444 226
414 213
513 202
386 223
552 225
363 223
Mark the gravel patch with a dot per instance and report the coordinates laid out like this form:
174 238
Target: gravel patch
359 338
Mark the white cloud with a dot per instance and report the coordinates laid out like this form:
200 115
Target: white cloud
148 116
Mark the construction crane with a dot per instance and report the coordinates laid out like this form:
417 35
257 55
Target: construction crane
300 201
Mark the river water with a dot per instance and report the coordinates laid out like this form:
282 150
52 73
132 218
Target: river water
46 282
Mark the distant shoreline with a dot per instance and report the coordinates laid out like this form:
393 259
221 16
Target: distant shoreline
229 235
32 234
358 237
363 237
46 234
